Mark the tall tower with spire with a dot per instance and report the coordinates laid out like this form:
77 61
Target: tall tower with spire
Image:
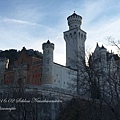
75 41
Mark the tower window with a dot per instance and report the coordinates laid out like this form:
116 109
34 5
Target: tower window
70 35
75 35
84 36
81 36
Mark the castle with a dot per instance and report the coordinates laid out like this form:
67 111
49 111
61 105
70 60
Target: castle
61 76
41 76
40 69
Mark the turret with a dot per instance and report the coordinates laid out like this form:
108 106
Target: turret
103 52
74 21
47 66
96 51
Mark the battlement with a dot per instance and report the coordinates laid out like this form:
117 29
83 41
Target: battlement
48 44
74 21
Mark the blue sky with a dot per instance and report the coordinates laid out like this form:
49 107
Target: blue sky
29 23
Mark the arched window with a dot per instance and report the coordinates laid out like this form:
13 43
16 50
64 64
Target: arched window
81 36
84 37
75 34
75 37
70 35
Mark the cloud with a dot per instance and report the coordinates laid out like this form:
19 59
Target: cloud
31 24
16 21
100 19
99 31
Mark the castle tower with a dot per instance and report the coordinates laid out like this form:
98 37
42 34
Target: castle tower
96 51
103 51
75 41
103 55
47 66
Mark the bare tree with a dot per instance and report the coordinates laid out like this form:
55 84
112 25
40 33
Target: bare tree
114 42
13 97
99 79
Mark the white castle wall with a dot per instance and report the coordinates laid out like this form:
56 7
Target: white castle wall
63 77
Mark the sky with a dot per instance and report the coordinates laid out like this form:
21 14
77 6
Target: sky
30 23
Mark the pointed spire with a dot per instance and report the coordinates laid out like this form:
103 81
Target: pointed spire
97 48
97 45
102 47
48 42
